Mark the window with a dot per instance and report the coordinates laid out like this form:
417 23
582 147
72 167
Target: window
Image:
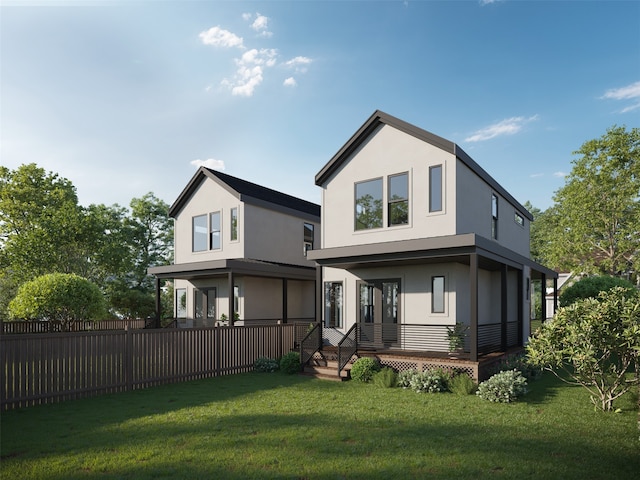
333 304
234 224
204 304
236 302
519 219
437 295
199 233
181 303
494 216
368 211
435 188
367 302
215 231
398 207
308 237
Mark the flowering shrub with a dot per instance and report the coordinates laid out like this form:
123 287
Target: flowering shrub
503 387
404 378
364 368
431 381
264 364
522 364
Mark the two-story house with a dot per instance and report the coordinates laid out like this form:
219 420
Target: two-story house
240 253
417 237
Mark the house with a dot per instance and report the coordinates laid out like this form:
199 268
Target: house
240 253
416 238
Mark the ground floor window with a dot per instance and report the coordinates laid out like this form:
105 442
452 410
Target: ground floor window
181 303
333 304
205 303
437 294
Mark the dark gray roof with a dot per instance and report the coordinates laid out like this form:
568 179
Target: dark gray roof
247 192
379 118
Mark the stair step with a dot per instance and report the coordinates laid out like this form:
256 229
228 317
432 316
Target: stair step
328 372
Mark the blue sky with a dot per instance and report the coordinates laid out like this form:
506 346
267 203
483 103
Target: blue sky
124 98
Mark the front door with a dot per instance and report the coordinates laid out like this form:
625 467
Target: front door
379 311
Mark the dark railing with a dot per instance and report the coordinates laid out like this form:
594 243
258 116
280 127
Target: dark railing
54 326
347 347
311 343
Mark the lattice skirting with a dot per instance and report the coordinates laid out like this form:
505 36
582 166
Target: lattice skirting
422 365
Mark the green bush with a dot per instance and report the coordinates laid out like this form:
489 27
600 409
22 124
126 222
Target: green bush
590 287
431 381
264 364
462 384
385 378
503 387
290 363
404 378
521 363
364 368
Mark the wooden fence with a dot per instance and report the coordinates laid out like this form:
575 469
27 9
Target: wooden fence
47 368
22 326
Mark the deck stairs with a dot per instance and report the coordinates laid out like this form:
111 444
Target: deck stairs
324 365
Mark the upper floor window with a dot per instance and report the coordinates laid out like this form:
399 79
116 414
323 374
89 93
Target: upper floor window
308 237
519 219
398 199
199 233
435 188
234 224
368 211
215 231
494 216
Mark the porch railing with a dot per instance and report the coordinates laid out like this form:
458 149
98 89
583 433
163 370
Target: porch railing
347 347
311 343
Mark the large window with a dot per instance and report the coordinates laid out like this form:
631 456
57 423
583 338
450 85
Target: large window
398 207
494 216
437 295
205 304
333 304
234 224
435 188
308 237
368 212
199 233
181 303
215 231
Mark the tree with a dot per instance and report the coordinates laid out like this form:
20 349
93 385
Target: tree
597 212
593 343
541 233
61 297
591 287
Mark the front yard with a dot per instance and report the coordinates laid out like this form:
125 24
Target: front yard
277 426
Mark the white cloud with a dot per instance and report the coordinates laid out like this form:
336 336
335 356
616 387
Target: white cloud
560 174
536 175
250 71
219 37
629 92
209 163
508 126
261 25
488 2
298 63
290 82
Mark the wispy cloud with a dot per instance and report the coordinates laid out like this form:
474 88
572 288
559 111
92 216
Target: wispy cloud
209 163
253 63
629 92
536 175
508 126
560 174
488 2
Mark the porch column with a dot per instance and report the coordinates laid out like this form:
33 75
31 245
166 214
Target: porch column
318 296
543 284
521 307
284 300
158 304
231 298
555 295
503 307
473 306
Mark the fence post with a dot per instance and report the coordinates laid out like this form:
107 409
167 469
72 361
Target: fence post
217 356
128 358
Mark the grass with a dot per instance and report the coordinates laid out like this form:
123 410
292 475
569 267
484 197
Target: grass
261 425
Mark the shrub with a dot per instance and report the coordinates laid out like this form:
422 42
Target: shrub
385 378
590 287
264 364
462 384
503 387
404 378
364 368
290 363
521 363
431 381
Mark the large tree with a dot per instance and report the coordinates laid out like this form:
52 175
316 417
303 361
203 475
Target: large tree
596 216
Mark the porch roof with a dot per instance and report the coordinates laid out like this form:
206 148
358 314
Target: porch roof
451 248
237 266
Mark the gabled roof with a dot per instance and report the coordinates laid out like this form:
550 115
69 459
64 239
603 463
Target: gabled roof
381 118
246 192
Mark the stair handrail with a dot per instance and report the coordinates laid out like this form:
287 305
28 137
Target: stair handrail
347 347
311 343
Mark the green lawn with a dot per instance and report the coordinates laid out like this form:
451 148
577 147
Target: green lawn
277 426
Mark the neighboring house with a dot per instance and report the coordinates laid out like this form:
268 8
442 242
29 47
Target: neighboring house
240 253
417 237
